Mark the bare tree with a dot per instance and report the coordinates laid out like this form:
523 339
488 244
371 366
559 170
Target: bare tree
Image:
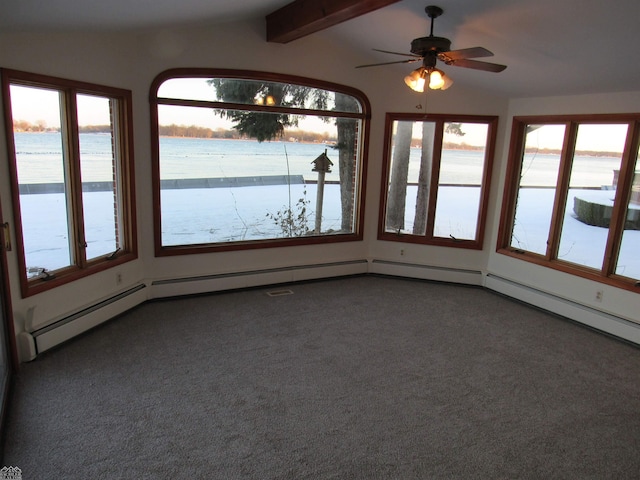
397 196
424 178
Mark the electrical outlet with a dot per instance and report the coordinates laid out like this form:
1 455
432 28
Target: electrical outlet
401 251
599 295
118 278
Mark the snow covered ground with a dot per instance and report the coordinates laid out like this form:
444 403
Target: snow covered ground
579 243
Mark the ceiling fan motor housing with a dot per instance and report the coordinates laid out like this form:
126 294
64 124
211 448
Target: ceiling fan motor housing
423 45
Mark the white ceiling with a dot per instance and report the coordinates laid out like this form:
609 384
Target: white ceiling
92 15
551 47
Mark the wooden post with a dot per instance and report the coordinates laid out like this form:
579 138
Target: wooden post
319 200
322 165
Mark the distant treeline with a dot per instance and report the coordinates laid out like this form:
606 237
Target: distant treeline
41 126
582 153
24 126
193 131
95 129
460 146
184 131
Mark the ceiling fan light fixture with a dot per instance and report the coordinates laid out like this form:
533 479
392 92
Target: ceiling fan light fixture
433 77
416 80
436 80
268 100
447 81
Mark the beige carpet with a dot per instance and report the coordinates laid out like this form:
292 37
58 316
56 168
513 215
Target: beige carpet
356 378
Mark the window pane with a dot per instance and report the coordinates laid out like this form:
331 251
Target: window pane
592 183
98 168
459 185
538 178
628 264
41 175
249 190
407 170
256 92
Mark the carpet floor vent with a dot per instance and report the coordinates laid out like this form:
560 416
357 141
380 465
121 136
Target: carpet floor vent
280 293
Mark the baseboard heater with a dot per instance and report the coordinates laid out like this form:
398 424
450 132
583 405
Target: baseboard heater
78 322
259 277
597 319
427 272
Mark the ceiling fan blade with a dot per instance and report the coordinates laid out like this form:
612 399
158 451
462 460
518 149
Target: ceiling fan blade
397 53
486 66
417 59
474 52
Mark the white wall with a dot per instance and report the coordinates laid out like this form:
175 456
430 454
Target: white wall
132 60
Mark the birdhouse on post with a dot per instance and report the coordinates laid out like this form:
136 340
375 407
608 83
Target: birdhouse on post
322 165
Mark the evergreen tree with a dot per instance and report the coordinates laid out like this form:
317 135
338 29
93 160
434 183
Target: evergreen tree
264 126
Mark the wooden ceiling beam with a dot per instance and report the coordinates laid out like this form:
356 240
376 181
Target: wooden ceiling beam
303 17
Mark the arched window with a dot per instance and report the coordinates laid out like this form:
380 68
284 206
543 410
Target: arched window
252 160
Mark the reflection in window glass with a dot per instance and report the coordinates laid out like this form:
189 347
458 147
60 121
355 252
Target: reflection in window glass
254 92
628 265
591 194
538 177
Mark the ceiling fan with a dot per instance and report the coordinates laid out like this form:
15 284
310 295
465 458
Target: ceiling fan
429 50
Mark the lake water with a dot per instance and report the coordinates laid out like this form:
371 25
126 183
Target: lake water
213 158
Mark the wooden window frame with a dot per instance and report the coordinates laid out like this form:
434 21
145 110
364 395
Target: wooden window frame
607 274
428 238
209 73
81 267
